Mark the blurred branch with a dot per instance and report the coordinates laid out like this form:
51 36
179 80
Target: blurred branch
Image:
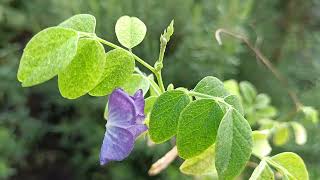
264 60
163 162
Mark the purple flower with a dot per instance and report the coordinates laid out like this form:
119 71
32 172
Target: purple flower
124 125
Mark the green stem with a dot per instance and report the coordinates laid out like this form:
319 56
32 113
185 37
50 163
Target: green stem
141 61
160 81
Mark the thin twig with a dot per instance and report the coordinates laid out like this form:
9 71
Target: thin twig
264 60
163 162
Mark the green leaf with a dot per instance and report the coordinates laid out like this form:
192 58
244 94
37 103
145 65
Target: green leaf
165 115
47 53
198 126
262 172
292 165
136 82
300 133
130 31
149 102
235 102
233 145
310 113
262 101
118 69
84 71
202 164
232 86
248 91
80 22
281 135
261 146
267 112
212 86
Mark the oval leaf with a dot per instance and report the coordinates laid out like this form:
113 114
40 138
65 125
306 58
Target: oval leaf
118 69
84 71
293 165
130 31
232 86
235 102
198 126
165 115
47 53
261 146
212 86
136 82
248 91
262 172
262 101
202 164
281 135
233 145
81 22
300 133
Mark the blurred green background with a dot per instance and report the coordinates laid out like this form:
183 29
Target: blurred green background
44 136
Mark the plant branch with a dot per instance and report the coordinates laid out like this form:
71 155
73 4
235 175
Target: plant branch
264 60
163 162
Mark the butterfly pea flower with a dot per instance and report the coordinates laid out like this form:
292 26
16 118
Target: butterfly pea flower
124 124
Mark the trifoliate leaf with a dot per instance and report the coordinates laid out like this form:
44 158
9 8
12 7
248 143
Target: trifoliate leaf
233 145
248 91
202 164
47 53
198 126
81 22
136 82
118 69
84 71
291 165
262 172
300 133
281 135
211 86
130 31
261 146
165 115
235 102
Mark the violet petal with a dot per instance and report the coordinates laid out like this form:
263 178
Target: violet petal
117 145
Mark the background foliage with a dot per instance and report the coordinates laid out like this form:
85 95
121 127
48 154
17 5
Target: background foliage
44 136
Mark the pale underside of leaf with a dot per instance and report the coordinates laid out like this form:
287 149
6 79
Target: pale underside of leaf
202 164
130 31
47 53
84 71
80 22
